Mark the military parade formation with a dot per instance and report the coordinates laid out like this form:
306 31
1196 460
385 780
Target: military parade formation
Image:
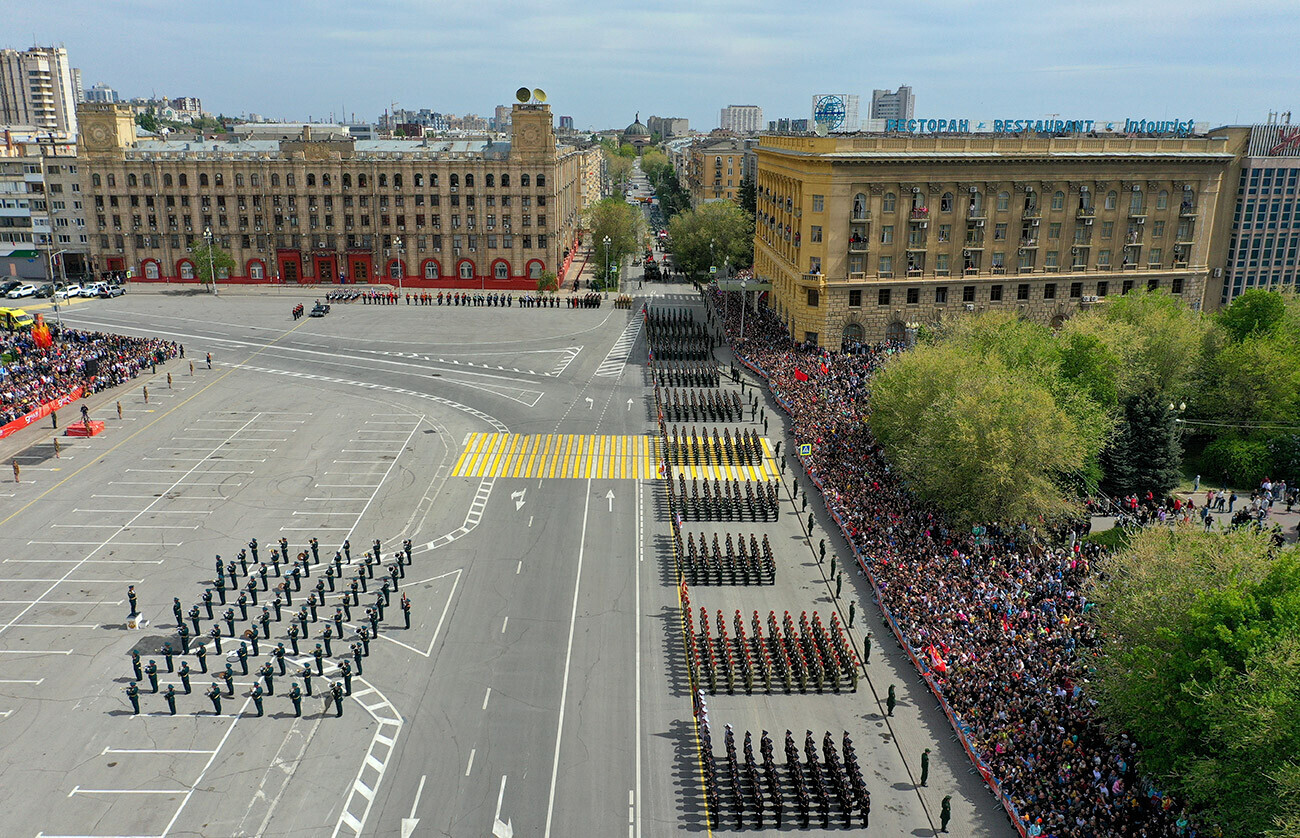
245 583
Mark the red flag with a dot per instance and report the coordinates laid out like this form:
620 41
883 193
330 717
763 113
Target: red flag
800 375
825 369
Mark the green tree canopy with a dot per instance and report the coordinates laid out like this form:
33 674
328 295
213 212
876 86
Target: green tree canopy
655 164
1255 311
1144 452
619 169
621 222
727 228
981 422
673 197
205 267
1203 668
1168 339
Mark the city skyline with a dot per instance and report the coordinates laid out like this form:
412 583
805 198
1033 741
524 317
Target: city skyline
666 60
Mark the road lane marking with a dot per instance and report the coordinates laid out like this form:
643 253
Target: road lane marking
470 767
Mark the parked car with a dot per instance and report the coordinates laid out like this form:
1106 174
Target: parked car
22 291
92 290
14 319
111 289
67 292
10 285
45 291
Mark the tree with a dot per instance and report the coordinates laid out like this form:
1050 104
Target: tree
1144 453
748 195
1169 339
1202 667
619 169
673 198
656 166
713 233
548 281
1255 311
621 222
148 121
205 267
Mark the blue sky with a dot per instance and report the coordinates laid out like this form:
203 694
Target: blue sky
1211 60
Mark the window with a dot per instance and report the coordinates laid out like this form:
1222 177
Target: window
1176 286
1051 259
946 202
187 270
1076 290
489 181
523 180
1127 287
1153 284
859 206
131 181
815 233
1135 202
1103 258
913 296
1153 257
466 268
167 180
469 181
1102 288
505 181
203 178
95 180
814 264
887 234
150 270
945 232
1112 200
968 294
1157 229
889 203
940 295
500 271
1022 291
818 202
813 297
430 269
882 297
256 271
1058 201
855 298
999 232
1004 201
995 293
1054 231
1107 229
941 264
1162 200
886 267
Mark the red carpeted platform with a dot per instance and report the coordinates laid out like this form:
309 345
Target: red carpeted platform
82 429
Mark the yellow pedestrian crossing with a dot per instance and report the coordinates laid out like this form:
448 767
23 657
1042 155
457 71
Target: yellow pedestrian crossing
576 456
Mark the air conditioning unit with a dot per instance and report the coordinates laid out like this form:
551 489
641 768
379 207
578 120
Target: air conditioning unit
1020 251
970 306
974 190
1087 222
979 222
313 207
1142 221
916 190
1218 272
1033 223
455 251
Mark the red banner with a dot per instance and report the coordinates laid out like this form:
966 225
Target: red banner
39 413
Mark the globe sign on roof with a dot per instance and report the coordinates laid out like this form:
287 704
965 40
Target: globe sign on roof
829 112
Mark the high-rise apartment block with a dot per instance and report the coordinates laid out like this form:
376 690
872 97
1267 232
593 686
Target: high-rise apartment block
37 89
668 127
893 104
742 119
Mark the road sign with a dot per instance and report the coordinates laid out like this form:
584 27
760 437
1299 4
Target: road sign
713 269
805 450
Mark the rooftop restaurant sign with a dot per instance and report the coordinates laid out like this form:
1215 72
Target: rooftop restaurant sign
1175 127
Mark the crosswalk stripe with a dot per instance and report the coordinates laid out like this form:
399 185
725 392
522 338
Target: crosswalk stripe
574 456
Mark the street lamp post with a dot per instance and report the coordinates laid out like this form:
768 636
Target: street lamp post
604 283
401 268
212 271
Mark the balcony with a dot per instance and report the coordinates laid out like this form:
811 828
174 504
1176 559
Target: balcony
1187 210
1180 264
817 277
860 215
916 243
1031 212
859 246
974 244
920 213
857 276
1029 242
1137 212
976 213
1085 212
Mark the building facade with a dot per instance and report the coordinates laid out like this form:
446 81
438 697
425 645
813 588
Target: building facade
42 212
330 208
669 127
37 89
1263 233
741 119
893 104
716 168
101 93
863 235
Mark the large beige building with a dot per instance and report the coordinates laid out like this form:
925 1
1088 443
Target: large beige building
39 88
865 235
716 167
312 208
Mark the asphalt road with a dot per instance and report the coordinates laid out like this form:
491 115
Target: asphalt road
541 682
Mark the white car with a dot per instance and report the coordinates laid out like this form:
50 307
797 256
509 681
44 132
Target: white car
22 291
68 292
92 290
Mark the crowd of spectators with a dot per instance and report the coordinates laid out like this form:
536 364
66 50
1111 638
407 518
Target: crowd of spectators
31 376
996 615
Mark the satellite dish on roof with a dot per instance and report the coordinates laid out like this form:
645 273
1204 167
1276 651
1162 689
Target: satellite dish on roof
522 94
539 94
821 128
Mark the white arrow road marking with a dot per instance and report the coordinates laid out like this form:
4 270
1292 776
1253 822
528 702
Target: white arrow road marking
591 403
409 823
518 499
610 497
629 404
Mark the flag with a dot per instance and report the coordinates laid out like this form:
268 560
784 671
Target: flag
825 369
800 375
41 334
